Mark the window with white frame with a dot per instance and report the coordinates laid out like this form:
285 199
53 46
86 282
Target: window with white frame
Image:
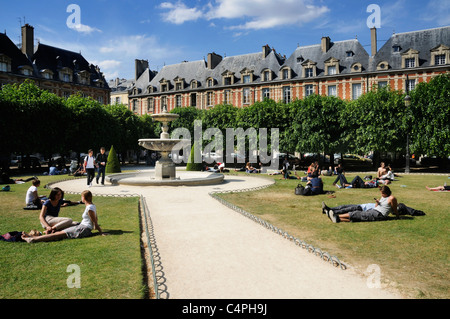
246 78
439 59
382 84
227 97
332 70
266 76
265 93
410 84
246 96
309 90
3 66
150 105
286 94
410 63
332 90
309 72
285 73
356 90
178 100
209 99
164 103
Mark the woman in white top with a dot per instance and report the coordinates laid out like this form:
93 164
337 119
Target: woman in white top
84 229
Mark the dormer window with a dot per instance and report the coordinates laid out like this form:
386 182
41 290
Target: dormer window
65 74
331 66
383 66
309 69
440 55
179 83
47 74
410 59
246 76
286 73
300 59
228 78
164 85
267 75
5 63
83 77
194 84
349 54
210 82
356 67
26 70
396 48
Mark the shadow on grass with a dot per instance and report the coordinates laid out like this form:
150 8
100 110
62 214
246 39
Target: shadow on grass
112 232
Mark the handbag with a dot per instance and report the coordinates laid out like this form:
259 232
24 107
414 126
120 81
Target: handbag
299 190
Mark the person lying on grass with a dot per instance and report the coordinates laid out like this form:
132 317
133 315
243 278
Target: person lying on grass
84 229
439 188
383 206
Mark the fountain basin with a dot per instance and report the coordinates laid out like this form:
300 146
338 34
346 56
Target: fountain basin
184 178
163 145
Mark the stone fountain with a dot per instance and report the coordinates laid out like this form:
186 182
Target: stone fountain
165 173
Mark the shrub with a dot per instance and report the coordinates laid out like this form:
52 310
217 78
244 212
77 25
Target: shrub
113 165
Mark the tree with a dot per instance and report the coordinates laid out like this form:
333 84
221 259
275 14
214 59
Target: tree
191 164
113 165
428 117
374 122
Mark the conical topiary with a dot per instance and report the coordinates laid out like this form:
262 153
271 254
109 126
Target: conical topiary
191 165
113 164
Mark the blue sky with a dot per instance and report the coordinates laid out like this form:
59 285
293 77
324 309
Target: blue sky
112 34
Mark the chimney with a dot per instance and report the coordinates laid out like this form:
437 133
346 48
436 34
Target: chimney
213 60
325 44
139 67
373 39
265 51
28 40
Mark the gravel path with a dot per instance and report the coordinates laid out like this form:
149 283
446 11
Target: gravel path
209 251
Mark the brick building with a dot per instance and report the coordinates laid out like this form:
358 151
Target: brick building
342 68
56 70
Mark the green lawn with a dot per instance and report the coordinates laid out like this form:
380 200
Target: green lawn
110 266
412 252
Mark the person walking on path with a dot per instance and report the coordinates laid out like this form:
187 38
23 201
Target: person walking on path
89 167
101 159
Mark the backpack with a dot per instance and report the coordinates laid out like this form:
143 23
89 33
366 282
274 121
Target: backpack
6 188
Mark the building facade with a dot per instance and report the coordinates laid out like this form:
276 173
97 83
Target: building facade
56 70
343 69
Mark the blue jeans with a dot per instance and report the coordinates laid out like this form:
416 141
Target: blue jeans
101 171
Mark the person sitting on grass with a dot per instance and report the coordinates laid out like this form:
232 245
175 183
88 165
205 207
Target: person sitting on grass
385 205
32 198
84 229
49 216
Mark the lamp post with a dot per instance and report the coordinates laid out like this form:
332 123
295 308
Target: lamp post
407 104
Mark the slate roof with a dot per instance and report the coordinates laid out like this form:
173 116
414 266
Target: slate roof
8 48
337 50
52 58
422 41
47 57
122 85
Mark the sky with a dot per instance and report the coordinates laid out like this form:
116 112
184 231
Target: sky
112 33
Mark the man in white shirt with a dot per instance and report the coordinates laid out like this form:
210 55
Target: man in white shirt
89 167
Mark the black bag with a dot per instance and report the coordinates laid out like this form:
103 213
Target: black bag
299 189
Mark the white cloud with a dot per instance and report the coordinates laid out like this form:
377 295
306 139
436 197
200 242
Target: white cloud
82 28
179 13
259 14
